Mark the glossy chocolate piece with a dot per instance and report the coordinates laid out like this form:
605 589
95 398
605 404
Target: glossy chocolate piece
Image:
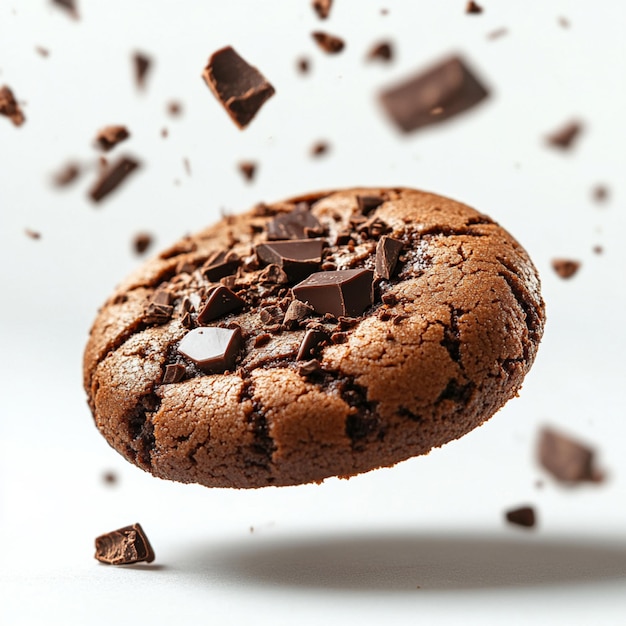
387 253
219 265
296 257
297 224
212 349
221 301
311 342
124 546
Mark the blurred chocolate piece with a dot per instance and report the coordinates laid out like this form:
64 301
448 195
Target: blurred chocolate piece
296 257
41 51
344 292
142 64
219 265
319 148
309 367
563 22
112 177
212 349
241 88
297 224
367 204
387 253
322 8
522 516
9 106
568 461
33 234
110 136
600 193
173 373
565 137
497 33
271 315
221 302
124 546
565 268
472 8
141 242
174 108
328 43
448 86
382 51
297 312
67 175
304 65
248 169
110 478
69 6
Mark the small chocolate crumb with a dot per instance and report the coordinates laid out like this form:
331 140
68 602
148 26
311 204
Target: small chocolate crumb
262 340
112 177
9 106
600 193
67 5
319 148
563 22
110 478
41 51
142 64
271 315
187 166
33 234
304 65
382 51
309 367
67 175
108 137
472 8
124 546
248 169
339 337
174 108
173 373
164 133
322 8
497 33
328 43
565 137
598 249
522 516
565 268
240 88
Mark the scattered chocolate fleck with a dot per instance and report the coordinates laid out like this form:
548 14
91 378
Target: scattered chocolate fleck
109 478
173 373
248 169
241 89
373 227
382 51
311 342
320 148
296 257
273 274
164 133
296 224
187 166
69 6
220 302
565 268
367 204
309 367
212 349
345 292
569 461
174 108
41 51
297 312
497 34
522 516
328 266
600 193
328 43
33 234
448 84
124 546
387 254
262 340
563 22
348 322
271 315
322 8
109 137
398 319
112 177
67 175
598 249
142 64
304 65
564 138
9 106
472 8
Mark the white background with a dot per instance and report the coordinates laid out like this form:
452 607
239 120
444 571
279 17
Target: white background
425 541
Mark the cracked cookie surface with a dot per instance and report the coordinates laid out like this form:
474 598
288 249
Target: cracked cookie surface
325 335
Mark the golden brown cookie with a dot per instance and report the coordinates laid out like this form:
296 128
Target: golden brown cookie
326 335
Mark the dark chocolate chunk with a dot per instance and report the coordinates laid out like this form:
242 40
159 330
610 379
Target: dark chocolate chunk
248 169
33 234
212 349
368 203
319 148
110 136
297 257
69 6
124 546
304 65
141 242
112 177
387 254
448 84
218 266
322 8
156 313
273 275
328 43
173 373
221 301
345 292
271 315
339 337
382 51
472 8
297 312
162 296
241 88
565 268
311 342
142 64
294 225
522 516
9 106
565 137
569 461
389 298
309 367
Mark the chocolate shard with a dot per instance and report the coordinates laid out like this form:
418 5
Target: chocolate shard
328 43
241 88
297 257
297 224
522 516
33 234
320 148
141 64
108 137
221 302
600 193
382 51
69 6
311 343
112 177
440 92
157 313
174 108
387 253
342 293
568 460
218 266
472 8
564 137
173 373
247 169
124 546
565 268
297 312
322 8
9 106
212 349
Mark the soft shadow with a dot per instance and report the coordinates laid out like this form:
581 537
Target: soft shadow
403 562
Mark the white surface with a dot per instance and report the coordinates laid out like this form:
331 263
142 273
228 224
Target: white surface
345 552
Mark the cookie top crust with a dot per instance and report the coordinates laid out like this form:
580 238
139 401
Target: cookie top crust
325 335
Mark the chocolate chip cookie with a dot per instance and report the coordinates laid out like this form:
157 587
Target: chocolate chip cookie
326 335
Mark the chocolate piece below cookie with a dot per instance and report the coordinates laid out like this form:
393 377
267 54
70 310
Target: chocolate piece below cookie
241 89
141 66
522 516
124 546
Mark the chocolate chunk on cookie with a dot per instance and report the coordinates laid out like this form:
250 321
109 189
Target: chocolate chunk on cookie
325 335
